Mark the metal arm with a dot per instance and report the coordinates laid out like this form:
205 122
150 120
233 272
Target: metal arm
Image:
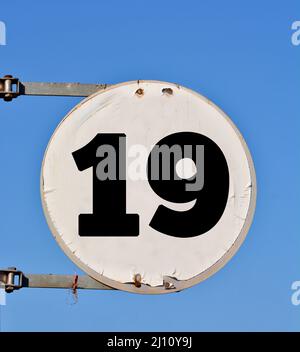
11 87
13 279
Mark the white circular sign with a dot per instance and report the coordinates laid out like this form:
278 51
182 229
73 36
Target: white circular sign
148 187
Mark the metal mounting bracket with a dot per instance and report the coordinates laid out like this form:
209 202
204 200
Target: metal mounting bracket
13 279
11 88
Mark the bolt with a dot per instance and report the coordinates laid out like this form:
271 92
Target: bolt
137 280
9 289
168 285
140 92
167 91
8 97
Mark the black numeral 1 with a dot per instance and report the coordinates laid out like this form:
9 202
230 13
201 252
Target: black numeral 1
109 217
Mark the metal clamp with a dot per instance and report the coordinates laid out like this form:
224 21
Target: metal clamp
9 88
12 279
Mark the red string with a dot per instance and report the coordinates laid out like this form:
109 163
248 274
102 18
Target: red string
75 284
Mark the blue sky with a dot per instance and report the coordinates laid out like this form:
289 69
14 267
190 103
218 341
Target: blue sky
237 53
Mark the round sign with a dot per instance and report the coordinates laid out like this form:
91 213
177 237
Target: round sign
148 187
